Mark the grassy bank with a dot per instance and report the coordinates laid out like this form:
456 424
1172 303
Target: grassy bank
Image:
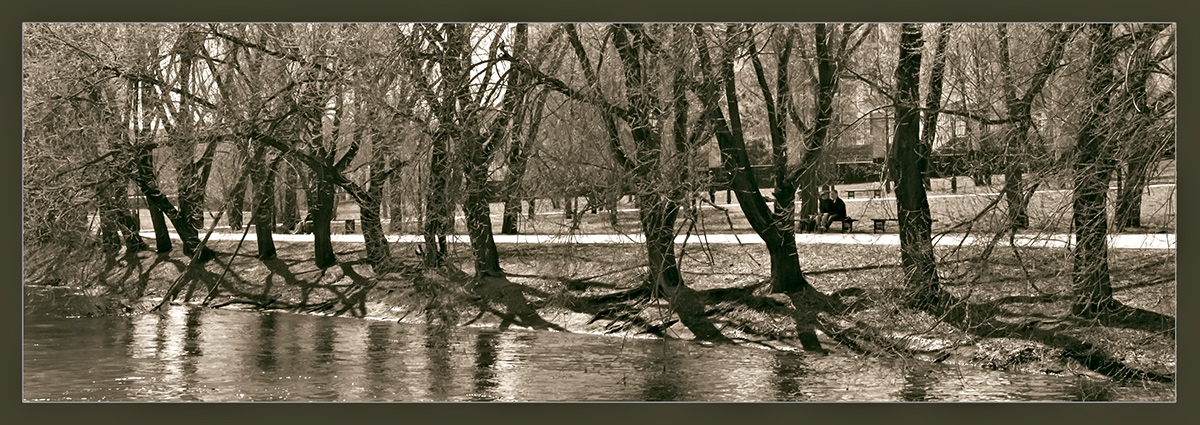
1019 304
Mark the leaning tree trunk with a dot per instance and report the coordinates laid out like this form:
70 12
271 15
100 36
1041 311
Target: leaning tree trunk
148 183
520 141
916 243
372 227
518 160
162 236
512 188
518 157
1093 164
116 222
1019 111
110 238
193 182
184 134
775 229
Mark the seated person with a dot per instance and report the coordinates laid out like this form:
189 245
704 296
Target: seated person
822 210
306 226
836 210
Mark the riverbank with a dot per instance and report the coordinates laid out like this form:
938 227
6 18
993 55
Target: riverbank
1021 302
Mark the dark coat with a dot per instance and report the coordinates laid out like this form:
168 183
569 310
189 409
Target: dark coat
837 208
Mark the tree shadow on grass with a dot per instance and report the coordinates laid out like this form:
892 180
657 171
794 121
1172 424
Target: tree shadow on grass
983 320
1128 317
504 299
622 309
245 292
805 309
133 264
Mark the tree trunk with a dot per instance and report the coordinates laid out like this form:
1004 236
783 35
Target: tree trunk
193 182
916 243
188 198
658 220
512 213
479 224
237 202
322 212
128 222
437 208
110 237
518 158
116 223
289 215
370 207
1093 164
811 176
264 203
396 212
1129 200
1019 110
378 251
189 188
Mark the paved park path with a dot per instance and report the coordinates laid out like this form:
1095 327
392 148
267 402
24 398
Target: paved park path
1123 241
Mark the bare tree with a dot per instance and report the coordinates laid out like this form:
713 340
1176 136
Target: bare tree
933 99
1149 128
912 204
1019 110
526 123
1093 168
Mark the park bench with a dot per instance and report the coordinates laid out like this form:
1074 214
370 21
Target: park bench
880 224
807 225
810 224
874 192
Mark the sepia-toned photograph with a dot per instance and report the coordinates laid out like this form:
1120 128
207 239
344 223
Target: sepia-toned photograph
580 212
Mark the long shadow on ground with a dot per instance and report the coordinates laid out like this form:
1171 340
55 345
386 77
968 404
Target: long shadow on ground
498 290
983 320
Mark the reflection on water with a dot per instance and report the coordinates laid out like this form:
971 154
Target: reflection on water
788 371
215 355
484 375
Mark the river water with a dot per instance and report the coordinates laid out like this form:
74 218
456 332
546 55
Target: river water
198 354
